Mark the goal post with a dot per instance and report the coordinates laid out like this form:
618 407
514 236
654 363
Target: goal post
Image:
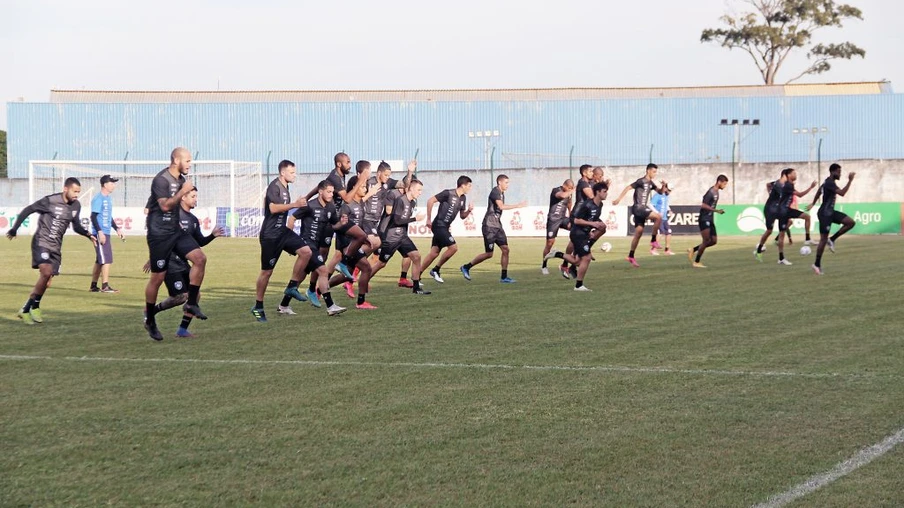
223 185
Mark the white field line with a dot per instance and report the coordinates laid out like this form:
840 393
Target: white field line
484 366
860 459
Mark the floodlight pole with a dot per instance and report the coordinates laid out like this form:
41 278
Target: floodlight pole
736 124
486 135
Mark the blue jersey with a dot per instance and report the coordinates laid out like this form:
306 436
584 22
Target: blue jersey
103 207
660 203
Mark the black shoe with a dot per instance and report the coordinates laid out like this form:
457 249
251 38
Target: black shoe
421 291
94 289
153 331
573 270
194 311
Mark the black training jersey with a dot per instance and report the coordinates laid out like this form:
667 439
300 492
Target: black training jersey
374 205
317 220
775 196
274 224
493 217
338 181
191 225
829 192
354 210
588 210
787 197
642 188
402 215
579 194
557 205
162 223
56 215
711 198
389 199
450 205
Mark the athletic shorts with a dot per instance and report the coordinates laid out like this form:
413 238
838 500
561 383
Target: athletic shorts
641 215
784 222
317 259
825 222
43 255
404 246
581 241
271 249
664 227
771 217
709 224
369 228
554 225
442 237
176 282
325 241
492 237
104 253
162 246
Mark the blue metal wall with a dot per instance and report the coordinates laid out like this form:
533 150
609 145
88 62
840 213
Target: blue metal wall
617 131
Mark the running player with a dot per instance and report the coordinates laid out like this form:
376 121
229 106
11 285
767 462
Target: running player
641 210
275 238
102 225
771 210
452 203
558 217
57 212
396 236
493 234
382 192
165 237
827 214
786 213
706 221
584 190
352 213
586 229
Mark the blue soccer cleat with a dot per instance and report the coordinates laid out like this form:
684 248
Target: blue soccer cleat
313 298
507 280
343 269
466 273
295 293
259 315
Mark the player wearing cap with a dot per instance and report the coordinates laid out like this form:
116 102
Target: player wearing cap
660 203
101 225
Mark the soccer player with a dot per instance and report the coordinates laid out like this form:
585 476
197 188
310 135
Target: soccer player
706 221
827 214
493 234
583 191
452 203
165 236
352 213
660 203
586 229
786 213
275 238
558 217
57 212
771 210
177 273
396 236
317 221
378 210
355 235
641 210
102 223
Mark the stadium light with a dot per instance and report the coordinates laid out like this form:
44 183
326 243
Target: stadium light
812 132
487 136
736 124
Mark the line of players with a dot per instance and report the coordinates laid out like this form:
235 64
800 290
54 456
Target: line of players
370 215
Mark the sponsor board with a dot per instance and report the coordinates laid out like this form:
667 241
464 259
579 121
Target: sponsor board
131 220
871 219
682 219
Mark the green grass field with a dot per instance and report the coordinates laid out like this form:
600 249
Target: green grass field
666 386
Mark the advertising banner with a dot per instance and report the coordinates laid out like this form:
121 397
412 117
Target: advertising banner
130 220
682 219
871 219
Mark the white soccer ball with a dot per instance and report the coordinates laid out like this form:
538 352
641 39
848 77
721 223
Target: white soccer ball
805 250
605 246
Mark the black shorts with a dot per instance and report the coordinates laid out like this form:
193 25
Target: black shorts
442 237
176 282
640 215
404 246
104 253
272 248
493 236
43 255
771 217
370 228
708 224
162 246
325 241
826 221
784 222
317 259
581 241
554 225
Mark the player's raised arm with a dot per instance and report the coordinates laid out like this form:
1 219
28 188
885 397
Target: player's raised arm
801 194
842 192
623 193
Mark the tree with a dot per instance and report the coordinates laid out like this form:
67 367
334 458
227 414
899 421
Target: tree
776 28
2 154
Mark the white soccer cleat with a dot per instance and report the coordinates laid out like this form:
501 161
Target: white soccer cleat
816 269
552 254
584 289
544 271
335 310
285 310
831 245
809 242
785 262
436 277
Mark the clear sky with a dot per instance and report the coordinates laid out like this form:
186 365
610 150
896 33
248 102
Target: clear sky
395 44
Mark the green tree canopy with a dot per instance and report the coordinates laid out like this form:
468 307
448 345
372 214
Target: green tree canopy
773 29
3 154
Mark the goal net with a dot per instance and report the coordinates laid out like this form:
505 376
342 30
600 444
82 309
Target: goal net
225 185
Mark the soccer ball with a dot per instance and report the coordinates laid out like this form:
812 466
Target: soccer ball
805 250
605 246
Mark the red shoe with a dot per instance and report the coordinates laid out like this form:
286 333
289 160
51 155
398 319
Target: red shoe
366 306
633 262
356 272
405 283
349 289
